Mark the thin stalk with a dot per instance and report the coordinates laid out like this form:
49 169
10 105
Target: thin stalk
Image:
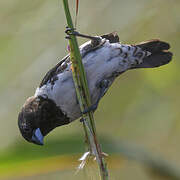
83 96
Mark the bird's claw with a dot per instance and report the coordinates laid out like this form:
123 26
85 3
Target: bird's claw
95 40
70 31
67 37
103 85
91 108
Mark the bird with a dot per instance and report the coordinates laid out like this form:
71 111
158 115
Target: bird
104 58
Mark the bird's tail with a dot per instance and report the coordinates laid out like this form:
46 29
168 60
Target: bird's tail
159 54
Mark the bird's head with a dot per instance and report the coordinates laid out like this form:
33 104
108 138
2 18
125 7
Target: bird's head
38 117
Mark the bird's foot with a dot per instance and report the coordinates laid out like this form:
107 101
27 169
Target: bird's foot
95 40
69 31
91 108
103 85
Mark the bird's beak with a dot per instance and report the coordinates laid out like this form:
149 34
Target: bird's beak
37 137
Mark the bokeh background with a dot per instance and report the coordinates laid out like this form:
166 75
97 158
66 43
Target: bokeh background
138 119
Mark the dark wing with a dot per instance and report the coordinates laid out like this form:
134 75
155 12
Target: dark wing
56 69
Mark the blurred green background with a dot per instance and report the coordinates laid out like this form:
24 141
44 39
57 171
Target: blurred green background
140 110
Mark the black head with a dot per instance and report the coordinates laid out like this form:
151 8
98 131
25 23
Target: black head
38 117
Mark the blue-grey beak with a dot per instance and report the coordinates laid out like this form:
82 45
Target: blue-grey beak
37 137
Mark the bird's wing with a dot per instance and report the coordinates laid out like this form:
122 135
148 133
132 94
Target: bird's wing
50 74
112 37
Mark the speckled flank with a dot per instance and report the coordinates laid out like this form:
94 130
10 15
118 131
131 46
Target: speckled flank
105 62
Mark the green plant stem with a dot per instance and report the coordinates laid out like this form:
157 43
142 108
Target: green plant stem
83 96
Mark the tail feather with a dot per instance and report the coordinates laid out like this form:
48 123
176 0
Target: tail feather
159 54
154 45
